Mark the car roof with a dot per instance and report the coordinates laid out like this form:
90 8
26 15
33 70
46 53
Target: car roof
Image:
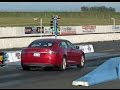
49 39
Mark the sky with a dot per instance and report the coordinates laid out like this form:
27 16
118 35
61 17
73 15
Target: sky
54 6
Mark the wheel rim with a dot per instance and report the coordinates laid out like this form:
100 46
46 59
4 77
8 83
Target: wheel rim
64 63
82 61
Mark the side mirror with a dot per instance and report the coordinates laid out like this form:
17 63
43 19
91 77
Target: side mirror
77 47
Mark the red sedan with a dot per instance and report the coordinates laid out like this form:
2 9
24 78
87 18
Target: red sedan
46 53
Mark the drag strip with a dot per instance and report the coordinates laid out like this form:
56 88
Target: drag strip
16 78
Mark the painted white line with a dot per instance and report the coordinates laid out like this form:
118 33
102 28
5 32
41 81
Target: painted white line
109 50
78 83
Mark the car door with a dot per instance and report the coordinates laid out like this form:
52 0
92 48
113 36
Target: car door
73 52
67 51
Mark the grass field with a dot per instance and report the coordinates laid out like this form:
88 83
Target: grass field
67 18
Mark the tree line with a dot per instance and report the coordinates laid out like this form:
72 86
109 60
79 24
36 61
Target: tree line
98 9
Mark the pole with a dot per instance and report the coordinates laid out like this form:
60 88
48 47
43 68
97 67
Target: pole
41 26
55 29
114 22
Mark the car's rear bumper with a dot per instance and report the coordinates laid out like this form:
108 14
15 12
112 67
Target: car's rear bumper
38 64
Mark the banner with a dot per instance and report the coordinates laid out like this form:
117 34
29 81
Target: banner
86 48
67 30
116 27
89 28
14 58
34 30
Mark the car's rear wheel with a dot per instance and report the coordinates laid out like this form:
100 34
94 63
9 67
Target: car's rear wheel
25 67
82 62
63 64
48 68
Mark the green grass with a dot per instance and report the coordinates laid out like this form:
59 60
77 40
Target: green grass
67 18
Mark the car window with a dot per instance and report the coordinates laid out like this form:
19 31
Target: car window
63 44
41 44
70 45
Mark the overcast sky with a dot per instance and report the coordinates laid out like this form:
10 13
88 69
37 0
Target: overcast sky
53 6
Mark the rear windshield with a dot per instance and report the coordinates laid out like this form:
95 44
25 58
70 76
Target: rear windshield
41 44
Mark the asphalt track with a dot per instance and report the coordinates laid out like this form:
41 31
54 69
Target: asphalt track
13 77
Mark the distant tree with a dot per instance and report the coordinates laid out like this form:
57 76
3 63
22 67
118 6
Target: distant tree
98 9
84 8
112 9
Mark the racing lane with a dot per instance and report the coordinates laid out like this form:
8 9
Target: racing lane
40 79
13 77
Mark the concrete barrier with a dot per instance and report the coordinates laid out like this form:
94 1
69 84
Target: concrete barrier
110 70
25 41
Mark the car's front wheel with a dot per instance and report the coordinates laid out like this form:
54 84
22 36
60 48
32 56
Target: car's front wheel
82 62
63 64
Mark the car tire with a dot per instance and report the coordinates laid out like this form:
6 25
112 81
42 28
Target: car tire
63 64
82 62
47 68
25 67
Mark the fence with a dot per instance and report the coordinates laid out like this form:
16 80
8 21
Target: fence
64 30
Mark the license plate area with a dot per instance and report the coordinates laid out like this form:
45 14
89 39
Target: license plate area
36 54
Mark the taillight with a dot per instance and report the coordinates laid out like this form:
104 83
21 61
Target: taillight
52 52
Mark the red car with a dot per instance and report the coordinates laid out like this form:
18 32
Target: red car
46 53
